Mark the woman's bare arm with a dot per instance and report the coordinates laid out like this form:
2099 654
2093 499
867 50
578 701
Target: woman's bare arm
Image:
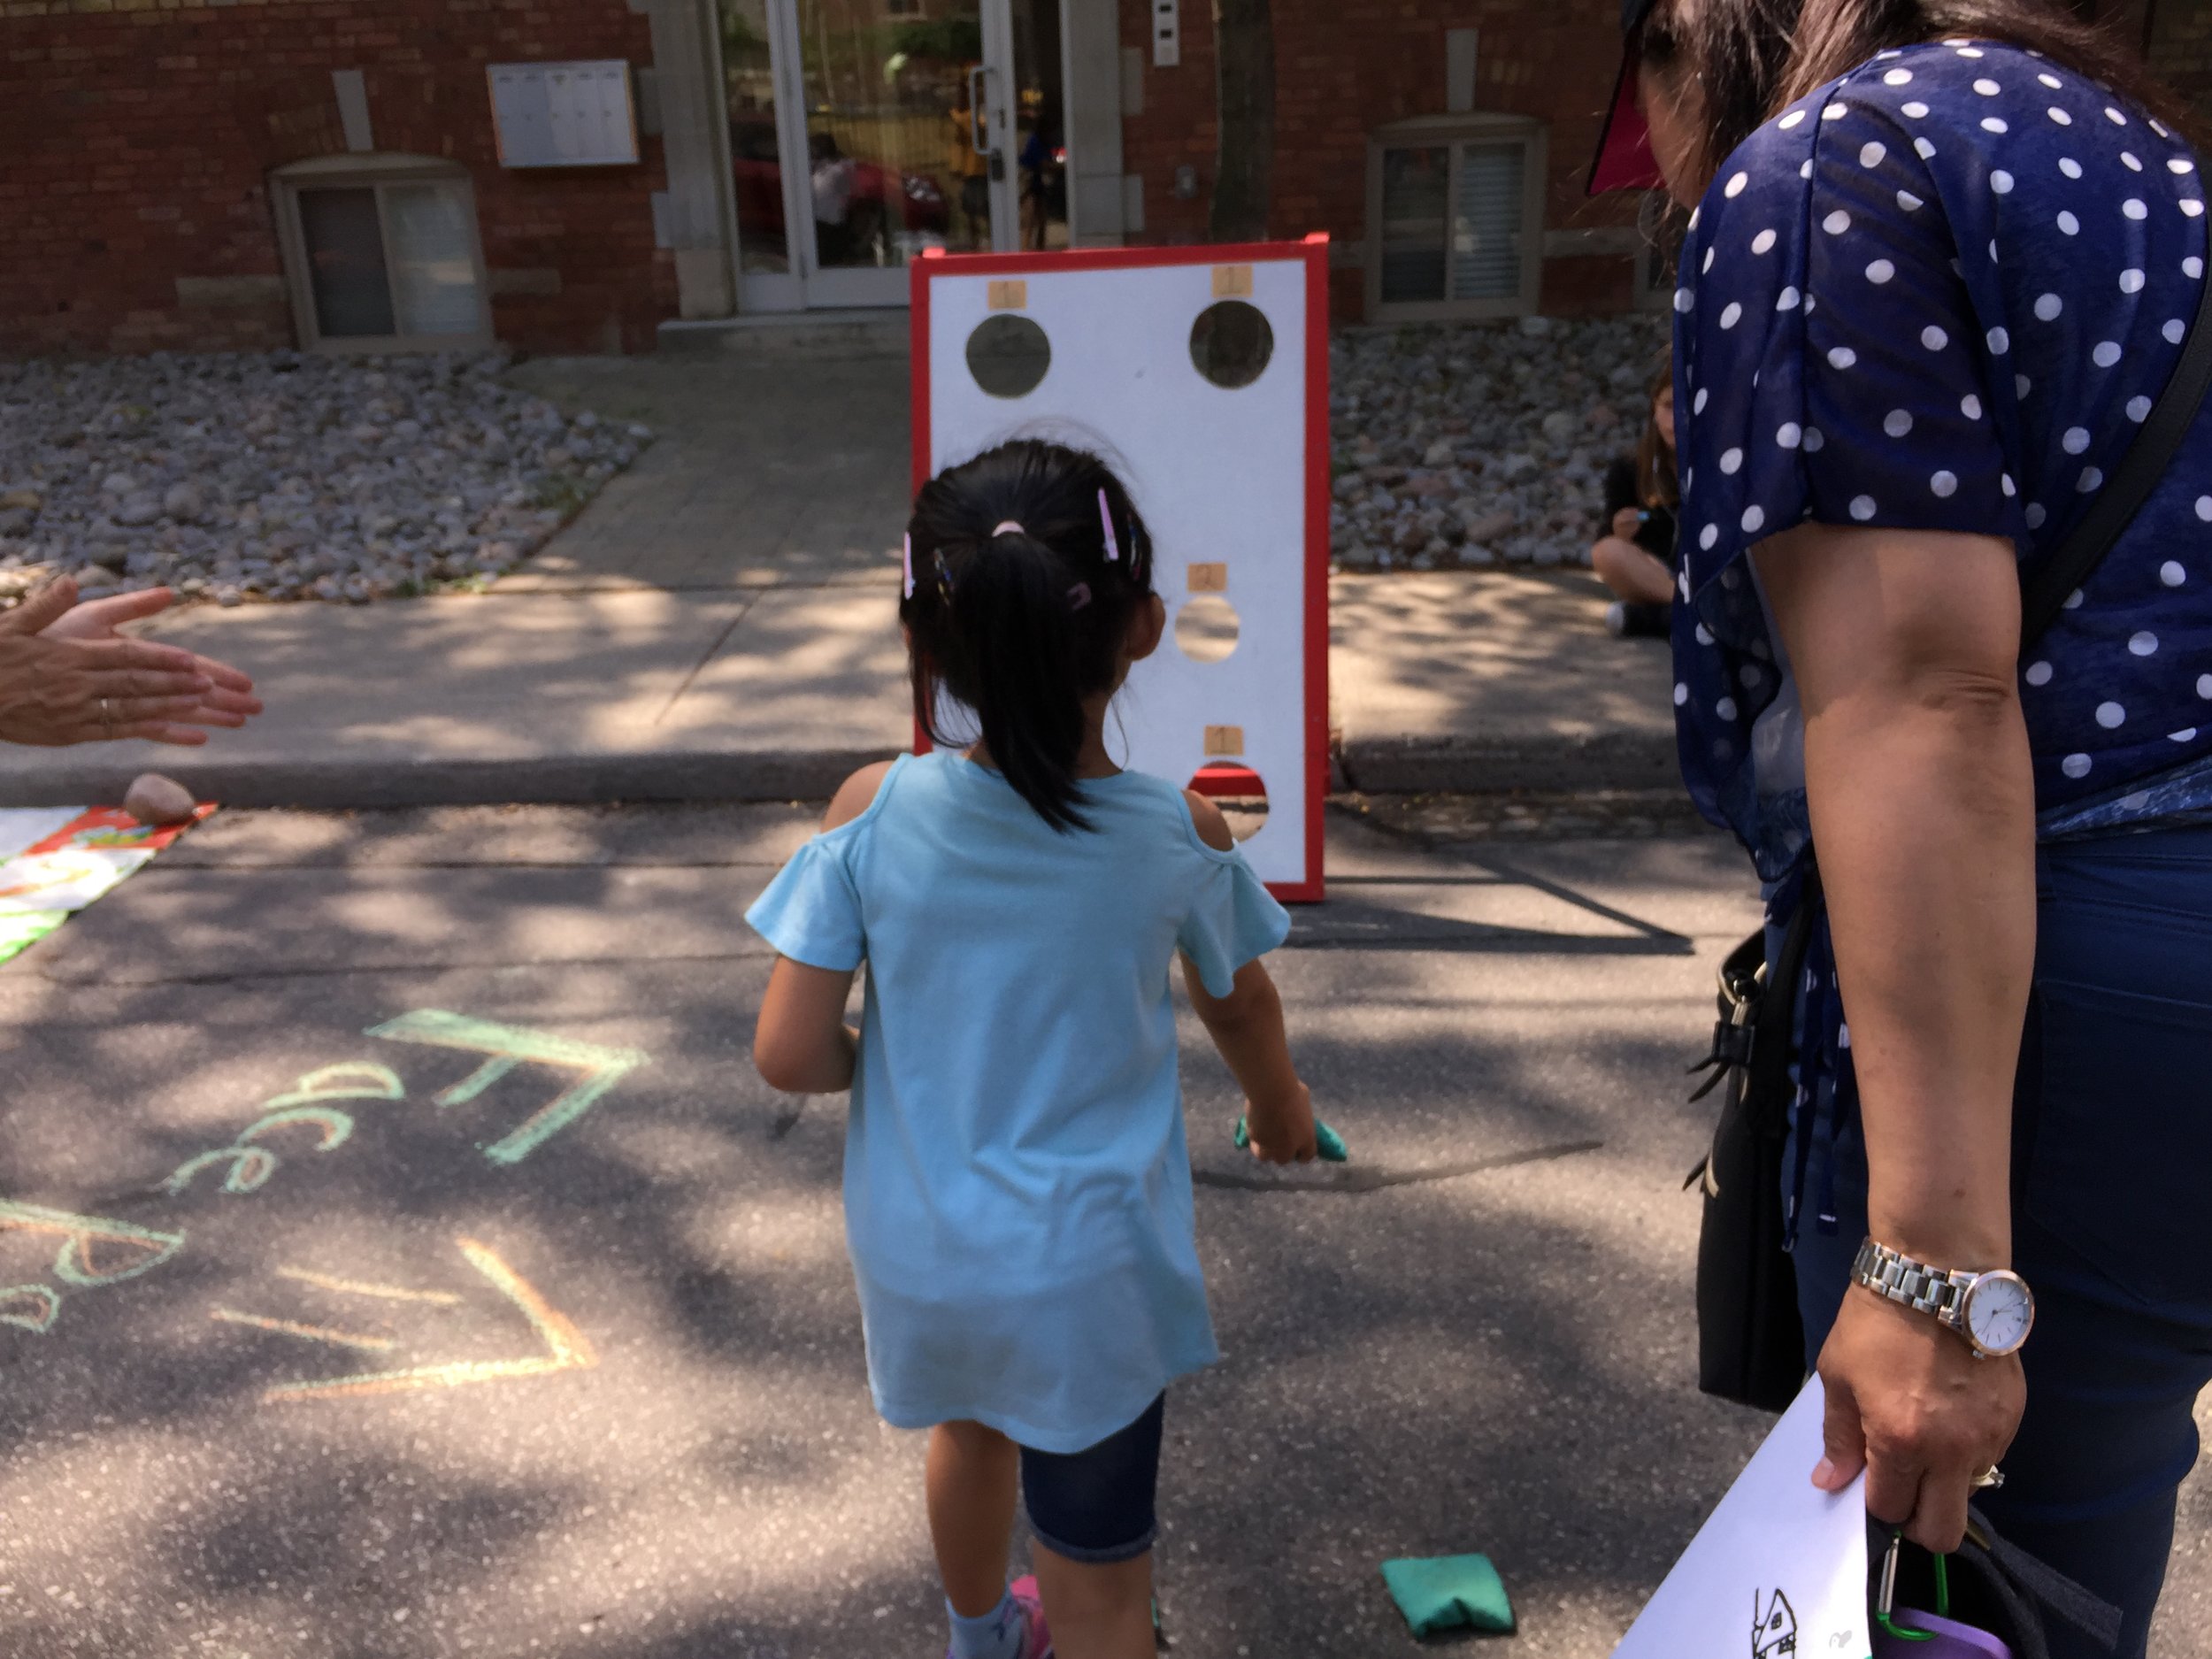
1904 645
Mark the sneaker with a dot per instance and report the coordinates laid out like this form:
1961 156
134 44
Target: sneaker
1617 618
1036 1635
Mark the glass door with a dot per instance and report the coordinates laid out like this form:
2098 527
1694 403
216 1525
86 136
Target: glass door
1036 207
862 132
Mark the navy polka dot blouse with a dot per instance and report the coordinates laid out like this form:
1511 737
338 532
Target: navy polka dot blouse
1942 294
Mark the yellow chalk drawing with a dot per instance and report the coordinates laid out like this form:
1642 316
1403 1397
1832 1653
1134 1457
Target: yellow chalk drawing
566 1347
356 1287
74 1263
312 1333
349 1079
44 1297
249 1168
508 1046
337 1127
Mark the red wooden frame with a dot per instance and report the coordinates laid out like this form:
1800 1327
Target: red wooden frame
1314 253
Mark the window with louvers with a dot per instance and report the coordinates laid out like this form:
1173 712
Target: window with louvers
1486 230
1455 222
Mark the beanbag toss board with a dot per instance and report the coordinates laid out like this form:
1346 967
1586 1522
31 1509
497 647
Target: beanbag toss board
1200 376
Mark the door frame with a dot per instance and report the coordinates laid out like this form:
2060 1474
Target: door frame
807 285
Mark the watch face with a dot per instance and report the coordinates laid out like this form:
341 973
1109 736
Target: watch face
1999 1311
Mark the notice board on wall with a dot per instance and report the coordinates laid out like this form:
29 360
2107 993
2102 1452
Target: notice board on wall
1200 376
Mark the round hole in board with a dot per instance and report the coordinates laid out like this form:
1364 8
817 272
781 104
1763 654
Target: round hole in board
1206 628
1009 355
1237 791
1232 343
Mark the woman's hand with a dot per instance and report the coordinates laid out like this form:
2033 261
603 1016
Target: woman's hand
1626 522
67 676
1280 1129
1908 1403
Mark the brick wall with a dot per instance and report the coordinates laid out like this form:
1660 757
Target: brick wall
2179 37
138 135
1344 67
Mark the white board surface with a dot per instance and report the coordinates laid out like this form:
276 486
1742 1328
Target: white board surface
1219 474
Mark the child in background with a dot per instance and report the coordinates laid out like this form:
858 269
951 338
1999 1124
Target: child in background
1637 560
1018 1192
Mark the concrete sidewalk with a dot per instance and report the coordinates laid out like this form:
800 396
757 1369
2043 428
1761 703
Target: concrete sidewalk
720 624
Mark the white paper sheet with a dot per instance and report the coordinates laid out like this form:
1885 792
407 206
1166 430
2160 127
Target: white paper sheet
1778 1571
22 827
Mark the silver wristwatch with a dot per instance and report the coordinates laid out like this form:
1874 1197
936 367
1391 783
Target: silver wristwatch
1994 1311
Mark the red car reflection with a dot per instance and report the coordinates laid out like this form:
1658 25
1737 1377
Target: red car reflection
882 201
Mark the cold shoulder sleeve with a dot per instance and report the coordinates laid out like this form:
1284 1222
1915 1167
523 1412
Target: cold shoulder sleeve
1232 920
811 911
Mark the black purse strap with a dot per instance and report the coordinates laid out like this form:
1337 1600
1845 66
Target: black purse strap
2045 590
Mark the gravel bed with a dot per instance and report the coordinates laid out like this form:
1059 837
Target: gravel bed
1482 444
285 475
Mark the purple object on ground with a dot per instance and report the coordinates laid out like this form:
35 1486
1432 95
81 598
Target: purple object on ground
1953 1639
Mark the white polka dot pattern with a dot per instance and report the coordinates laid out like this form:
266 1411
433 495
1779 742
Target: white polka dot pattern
1965 282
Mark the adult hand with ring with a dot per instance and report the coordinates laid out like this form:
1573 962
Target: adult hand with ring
69 675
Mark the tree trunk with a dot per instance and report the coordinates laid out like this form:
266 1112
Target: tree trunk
1244 96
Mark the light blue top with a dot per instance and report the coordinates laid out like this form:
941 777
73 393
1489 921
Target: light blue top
1018 1193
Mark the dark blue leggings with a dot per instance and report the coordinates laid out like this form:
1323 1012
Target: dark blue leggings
2112 1192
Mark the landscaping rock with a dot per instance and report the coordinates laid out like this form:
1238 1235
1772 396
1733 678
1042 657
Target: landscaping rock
283 476
1507 427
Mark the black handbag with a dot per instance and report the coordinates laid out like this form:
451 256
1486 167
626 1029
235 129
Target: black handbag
1751 1342
1986 1585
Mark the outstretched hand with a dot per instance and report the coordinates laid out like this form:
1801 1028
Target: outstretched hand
67 675
1910 1404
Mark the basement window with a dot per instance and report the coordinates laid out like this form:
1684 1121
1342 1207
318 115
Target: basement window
1454 217
382 254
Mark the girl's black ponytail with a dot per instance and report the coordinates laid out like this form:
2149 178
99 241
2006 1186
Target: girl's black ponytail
1025 566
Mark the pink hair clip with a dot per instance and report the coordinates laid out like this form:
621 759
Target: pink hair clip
1079 596
1008 526
1106 521
909 564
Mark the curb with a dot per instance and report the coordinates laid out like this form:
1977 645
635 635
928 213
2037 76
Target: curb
1480 766
549 780
1613 761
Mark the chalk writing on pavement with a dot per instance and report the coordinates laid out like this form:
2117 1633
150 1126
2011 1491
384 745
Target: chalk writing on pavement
93 1252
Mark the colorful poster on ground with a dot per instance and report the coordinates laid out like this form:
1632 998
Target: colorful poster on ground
54 861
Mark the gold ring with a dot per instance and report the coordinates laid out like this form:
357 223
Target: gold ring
1989 1478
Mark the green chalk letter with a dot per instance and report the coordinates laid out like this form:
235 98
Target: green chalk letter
508 1046
79 1234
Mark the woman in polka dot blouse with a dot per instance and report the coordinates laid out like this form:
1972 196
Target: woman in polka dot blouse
1944 257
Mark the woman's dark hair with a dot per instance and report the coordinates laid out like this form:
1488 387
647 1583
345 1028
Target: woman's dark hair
1025 566
1755 58
1658 474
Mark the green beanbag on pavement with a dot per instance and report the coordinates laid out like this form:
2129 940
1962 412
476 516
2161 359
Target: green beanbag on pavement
1440 1593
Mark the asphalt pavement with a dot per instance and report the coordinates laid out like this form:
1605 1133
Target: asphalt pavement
409 1263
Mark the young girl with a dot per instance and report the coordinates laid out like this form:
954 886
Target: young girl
1018 1194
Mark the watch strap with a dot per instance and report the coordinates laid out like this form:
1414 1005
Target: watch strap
1915 1285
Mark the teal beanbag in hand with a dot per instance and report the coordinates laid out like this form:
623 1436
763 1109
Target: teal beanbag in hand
1440 1593
1328 1145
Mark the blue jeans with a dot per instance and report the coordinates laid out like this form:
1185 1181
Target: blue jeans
2112 1195
1097 1505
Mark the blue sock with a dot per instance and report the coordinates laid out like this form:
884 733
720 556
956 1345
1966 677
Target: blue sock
996 1635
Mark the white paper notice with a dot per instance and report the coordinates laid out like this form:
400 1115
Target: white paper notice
1779 1572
